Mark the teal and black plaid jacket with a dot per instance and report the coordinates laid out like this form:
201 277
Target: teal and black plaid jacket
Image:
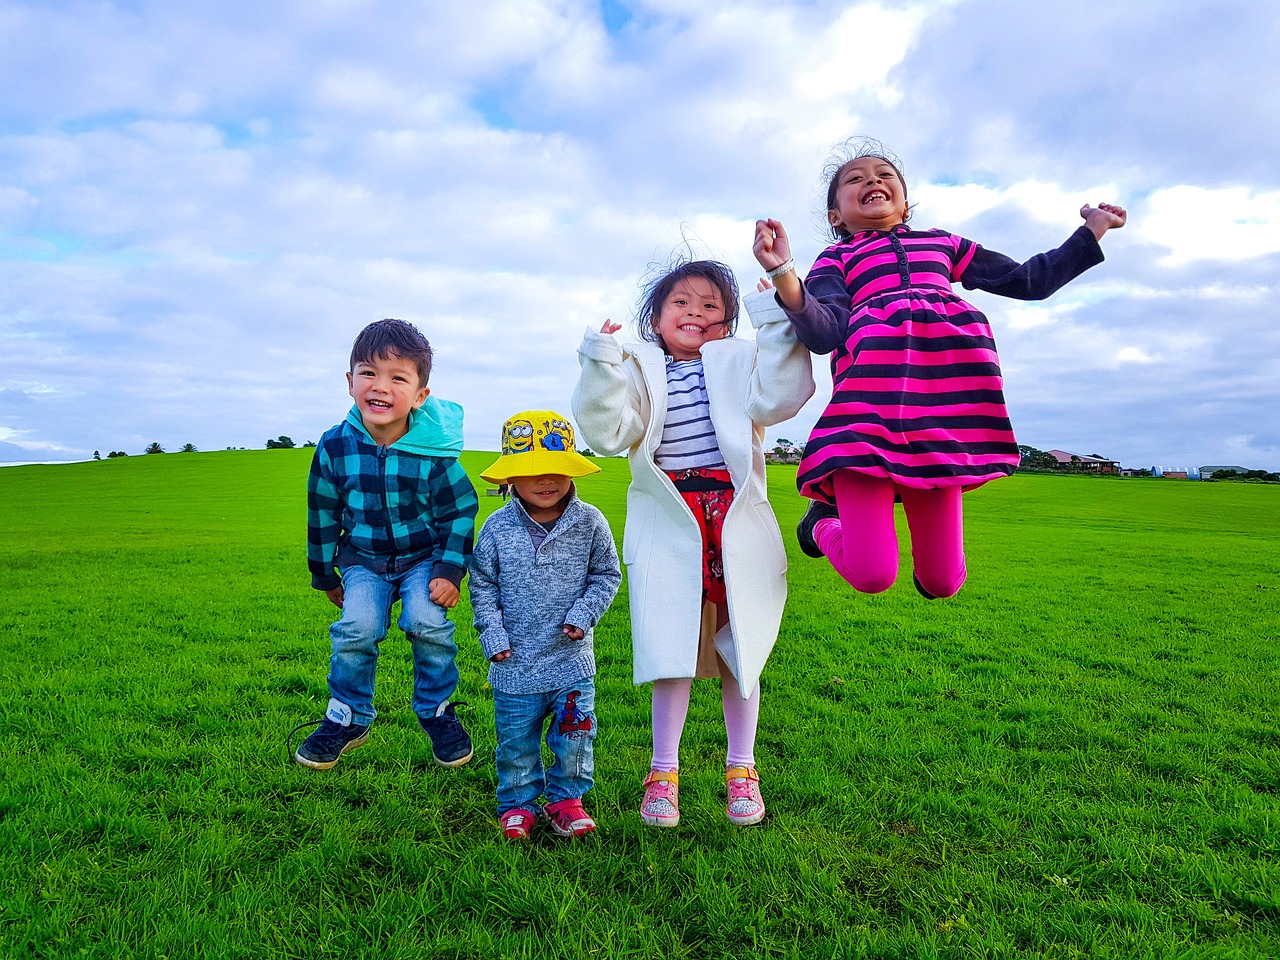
391 508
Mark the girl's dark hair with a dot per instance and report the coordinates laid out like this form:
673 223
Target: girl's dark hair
657 290
856 148
385 338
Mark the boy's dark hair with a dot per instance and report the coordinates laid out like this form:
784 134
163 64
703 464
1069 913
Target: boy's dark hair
855 148
386 338
659 288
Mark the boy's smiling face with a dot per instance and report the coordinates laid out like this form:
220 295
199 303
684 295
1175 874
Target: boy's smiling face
542 495
386 390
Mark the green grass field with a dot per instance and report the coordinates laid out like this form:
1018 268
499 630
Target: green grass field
1079 756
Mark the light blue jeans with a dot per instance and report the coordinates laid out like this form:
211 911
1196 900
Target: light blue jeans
366 616
519 718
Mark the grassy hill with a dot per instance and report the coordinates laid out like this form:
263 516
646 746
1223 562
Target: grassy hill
1079 756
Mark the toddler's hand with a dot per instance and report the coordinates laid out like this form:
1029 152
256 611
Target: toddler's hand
443 592
573 633
610 327
763 284
1103 217
771 247
335 595
499 657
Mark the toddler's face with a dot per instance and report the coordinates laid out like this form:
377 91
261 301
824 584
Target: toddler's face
869 196
386 390
541 493
692 315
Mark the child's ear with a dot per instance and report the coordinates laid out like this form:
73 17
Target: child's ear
421 398
833 218
351 386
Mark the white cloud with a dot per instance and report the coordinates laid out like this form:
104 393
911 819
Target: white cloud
1212 223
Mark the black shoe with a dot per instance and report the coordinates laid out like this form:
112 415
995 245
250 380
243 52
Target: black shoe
921 590
321 750
804 531
450 745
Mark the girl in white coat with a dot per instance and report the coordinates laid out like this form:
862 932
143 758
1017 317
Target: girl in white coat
705 562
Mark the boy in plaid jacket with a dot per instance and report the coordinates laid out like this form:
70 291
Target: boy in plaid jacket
389 506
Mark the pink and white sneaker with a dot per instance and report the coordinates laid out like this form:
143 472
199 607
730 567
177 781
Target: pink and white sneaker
745 806
569 819
517 824
661 805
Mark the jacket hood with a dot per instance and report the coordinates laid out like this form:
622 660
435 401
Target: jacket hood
435 429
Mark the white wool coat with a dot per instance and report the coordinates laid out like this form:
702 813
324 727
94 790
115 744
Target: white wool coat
620 404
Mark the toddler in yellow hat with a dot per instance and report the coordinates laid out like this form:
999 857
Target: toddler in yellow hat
543 573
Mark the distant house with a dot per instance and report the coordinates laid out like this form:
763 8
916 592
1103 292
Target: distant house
1207 472
1076 463
1174 474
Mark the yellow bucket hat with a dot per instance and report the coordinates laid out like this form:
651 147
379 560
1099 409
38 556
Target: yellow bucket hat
536 442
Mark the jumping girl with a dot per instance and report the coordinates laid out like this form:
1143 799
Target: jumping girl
705 562
917 410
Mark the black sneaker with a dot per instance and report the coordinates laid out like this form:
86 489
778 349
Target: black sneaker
804 530
450 745
321 750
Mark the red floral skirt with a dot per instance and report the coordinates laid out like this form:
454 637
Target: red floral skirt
708 494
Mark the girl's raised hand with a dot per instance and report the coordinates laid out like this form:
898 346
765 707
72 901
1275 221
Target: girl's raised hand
1103 217
609 327
771 247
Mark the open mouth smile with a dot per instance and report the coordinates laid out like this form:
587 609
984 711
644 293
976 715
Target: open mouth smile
875 195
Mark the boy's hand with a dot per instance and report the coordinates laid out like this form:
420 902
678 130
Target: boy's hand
763 284
499 657
335 595
574 633
1103 217
443 592
609 327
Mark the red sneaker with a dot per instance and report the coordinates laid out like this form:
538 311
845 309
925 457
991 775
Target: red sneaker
568 819
518 823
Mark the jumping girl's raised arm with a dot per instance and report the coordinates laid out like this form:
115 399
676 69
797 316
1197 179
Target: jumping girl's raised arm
820 317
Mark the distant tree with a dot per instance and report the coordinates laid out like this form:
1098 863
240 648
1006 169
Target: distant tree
116 453
1036 459
153 447
1097 456
188 448
309 443
96 455
587 452
280 443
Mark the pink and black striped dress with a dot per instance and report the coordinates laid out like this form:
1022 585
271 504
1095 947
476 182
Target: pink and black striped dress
917 393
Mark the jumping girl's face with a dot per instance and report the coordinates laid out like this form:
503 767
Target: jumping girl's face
691 315
869 195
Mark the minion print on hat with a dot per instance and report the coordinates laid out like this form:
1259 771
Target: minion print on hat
537 442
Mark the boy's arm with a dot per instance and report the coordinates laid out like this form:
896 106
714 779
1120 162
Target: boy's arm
453 510
603 578
486 601
605 403
324 524
782 381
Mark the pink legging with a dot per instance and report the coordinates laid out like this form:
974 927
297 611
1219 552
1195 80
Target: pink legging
862 544
671 706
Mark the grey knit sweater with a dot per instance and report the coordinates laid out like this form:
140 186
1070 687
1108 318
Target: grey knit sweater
522 599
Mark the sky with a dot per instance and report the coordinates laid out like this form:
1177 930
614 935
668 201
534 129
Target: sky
201 204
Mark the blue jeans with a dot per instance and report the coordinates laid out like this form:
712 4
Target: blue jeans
366 616
570 735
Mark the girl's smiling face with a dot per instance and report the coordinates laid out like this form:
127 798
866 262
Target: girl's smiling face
692 315
869 195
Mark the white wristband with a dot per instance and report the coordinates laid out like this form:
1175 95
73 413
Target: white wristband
778 271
